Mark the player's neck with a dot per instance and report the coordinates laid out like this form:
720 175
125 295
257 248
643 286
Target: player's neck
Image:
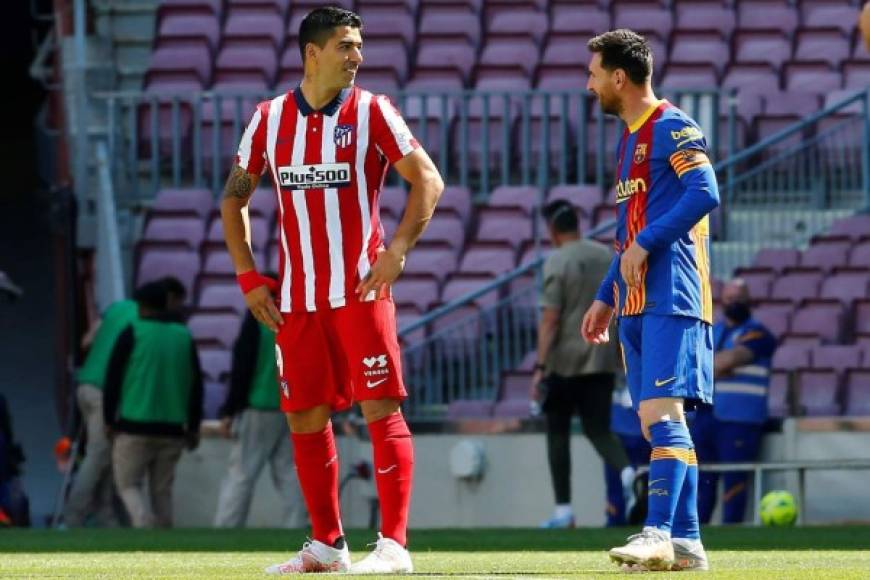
634 108
317 97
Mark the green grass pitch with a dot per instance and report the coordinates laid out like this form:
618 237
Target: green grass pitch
745 553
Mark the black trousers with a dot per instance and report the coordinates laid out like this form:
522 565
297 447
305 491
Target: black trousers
591 397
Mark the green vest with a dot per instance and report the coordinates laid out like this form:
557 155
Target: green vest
117 317
264 384
157 383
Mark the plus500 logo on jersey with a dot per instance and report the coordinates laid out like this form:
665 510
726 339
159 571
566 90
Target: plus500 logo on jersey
315 176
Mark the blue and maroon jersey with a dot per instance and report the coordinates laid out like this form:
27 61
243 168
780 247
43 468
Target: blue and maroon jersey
665 189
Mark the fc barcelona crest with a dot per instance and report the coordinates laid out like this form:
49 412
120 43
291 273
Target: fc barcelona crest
343 136
640 153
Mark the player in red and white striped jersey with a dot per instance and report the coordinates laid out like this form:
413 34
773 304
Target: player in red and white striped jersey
326 146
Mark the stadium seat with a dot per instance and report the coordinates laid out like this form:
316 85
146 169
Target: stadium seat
643 17
468 409
576 19
826 254
791 357
846 286
828 45
585 197
429 259
689 76
699 48
758 282
767 14
817 78
488 258
392 200
517 23
158 261
524 197
511 226
186 230
775 315
192 62
447 228
176 7
244 28
705 15
216 363
461 284
858 393
777 259
388 22
215 393
819 392
385 55
820 318
828 14
439 54
419 291
449 23
182 202
248 67
859 256
264 203
512 409
777 395
512 55
221 296
759 78
515 386
769 47
260 233
183 29
797 285
840 357
856 75
210 328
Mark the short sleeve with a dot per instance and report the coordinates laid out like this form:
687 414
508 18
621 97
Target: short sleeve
759 341
686 146
252 148
552 295
389 131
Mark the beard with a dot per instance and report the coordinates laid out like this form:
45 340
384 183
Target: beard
610 105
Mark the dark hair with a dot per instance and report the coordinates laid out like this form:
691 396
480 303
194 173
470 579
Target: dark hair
560 215
174 286
319 24
151 295
627 50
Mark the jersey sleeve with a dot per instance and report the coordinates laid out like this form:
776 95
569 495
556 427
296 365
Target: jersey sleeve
389 131
686 150
759 341
251 155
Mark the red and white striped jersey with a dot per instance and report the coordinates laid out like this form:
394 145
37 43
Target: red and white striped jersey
328 167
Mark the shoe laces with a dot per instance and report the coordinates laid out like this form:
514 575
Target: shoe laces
380 546
644 538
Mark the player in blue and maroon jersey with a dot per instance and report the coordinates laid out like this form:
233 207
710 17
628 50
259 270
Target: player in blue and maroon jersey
659 286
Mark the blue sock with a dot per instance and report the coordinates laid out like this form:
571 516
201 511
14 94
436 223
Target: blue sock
671 454
686 523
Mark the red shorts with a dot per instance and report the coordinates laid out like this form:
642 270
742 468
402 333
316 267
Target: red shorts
336 357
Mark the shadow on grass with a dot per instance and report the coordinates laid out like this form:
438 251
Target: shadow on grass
465 540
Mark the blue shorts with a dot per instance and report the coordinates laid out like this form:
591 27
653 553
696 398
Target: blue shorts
667 356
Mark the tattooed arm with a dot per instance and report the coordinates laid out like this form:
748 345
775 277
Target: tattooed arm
237 234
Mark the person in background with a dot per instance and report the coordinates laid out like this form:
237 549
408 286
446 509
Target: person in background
572 376
730 431
152 405
625 423
252 415
92 492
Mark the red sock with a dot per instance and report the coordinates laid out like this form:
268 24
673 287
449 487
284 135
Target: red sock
317 468
394 470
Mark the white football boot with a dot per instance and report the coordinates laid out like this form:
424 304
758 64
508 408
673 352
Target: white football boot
651 549
314 557
388 557
689 556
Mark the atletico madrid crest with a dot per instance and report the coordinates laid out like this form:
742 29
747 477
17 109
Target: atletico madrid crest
640 153
343 136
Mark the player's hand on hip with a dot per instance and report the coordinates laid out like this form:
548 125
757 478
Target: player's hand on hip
263 307
631 264
596 322
385 270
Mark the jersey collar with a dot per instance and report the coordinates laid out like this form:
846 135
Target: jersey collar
329 109
633 128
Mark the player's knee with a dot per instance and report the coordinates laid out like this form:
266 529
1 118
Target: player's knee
377 409
309 420
654 411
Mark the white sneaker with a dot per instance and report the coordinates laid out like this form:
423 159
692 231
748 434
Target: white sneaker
314 557
388 557
651 549
689 555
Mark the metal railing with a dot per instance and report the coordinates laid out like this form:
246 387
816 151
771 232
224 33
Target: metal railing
810 173
109 267
479 139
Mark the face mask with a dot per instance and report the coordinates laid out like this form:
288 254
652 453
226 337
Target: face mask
738 312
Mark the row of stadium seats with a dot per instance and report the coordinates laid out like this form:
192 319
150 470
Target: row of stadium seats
452 45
